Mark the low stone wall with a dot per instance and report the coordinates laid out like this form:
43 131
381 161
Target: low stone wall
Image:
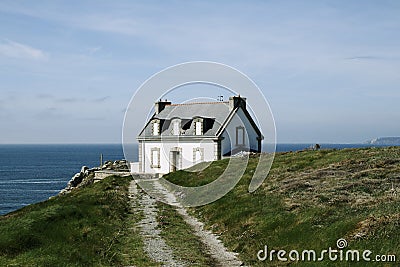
88 176
100 175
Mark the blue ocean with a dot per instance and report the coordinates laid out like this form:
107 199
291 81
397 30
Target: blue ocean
33 173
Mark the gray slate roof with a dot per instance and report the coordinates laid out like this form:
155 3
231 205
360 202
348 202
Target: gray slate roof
214 113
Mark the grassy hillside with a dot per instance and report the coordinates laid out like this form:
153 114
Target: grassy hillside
309 200
88 227
95 225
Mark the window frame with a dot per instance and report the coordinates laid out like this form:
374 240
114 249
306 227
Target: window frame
198 149
198 127
153 128
176 125
155 164
242 143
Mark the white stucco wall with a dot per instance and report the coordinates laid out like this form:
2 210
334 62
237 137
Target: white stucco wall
208 147
186 154
229 134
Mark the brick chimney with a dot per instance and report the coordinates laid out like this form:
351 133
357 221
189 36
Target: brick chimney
160 105
237 101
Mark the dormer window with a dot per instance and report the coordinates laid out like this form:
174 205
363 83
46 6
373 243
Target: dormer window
176 127
198 125
156 127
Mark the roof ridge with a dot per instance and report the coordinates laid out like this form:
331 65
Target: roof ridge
194 103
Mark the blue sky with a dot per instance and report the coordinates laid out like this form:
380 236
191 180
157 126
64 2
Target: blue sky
329 69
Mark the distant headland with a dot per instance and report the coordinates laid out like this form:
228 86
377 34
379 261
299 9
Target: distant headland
384 141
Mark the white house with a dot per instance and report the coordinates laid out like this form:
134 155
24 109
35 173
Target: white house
179 136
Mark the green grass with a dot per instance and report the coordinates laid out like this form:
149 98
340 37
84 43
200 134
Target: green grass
179 236
88 227
309 200
203 177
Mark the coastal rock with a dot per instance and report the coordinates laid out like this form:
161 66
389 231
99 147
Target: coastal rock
392 141
107 164
84 169
86 175
76 179
118 165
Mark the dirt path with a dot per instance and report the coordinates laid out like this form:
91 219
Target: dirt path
214 247
154 244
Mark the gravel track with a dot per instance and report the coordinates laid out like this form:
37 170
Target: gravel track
154 244
156 247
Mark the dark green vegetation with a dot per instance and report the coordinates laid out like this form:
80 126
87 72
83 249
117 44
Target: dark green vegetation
91 226
309 200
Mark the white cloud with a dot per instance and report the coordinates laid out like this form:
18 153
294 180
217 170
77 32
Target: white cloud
13 49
